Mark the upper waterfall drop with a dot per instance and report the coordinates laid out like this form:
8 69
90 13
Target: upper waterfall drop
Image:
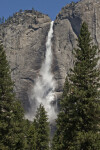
43 91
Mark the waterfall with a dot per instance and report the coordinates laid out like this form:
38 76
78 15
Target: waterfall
43 91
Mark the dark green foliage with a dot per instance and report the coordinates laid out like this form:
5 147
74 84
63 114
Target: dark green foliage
17 128
78 123
32 137
33 10
42 129
20 10
2 20
27 124
37 132
8 20
11 113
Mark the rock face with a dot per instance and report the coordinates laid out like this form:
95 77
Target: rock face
66 29
24 37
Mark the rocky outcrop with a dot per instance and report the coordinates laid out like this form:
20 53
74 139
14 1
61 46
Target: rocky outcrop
66 29
24 37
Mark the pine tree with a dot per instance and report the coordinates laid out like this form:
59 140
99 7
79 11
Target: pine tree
42 128
27 125
78 123
31 137
11 114
17 127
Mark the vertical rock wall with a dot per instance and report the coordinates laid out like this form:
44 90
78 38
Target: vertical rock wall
24 37
66 29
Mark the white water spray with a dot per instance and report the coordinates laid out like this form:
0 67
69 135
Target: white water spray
43 91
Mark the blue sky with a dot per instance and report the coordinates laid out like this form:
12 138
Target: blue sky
50 7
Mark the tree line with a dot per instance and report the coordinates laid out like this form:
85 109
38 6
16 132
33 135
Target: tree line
4 20
78 121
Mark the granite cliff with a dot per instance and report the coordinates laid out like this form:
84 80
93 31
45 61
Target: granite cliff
66 29
24 37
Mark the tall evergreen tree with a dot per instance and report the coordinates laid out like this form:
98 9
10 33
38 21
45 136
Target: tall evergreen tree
31 137
27 125
78 123
11 114
42 128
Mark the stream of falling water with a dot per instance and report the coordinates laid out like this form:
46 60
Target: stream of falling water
43 91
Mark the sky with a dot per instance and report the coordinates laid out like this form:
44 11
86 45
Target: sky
50 7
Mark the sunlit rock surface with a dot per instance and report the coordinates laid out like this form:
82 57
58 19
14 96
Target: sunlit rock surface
66 29
24 37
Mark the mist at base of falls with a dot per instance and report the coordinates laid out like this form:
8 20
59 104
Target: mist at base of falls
44 88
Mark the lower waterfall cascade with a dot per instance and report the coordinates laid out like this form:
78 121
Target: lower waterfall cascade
43 91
